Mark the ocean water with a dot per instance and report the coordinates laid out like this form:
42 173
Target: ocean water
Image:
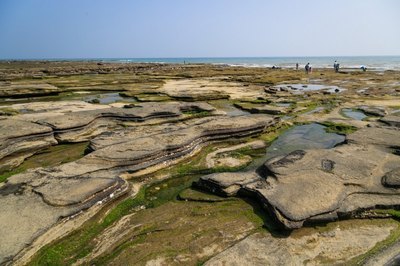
352 62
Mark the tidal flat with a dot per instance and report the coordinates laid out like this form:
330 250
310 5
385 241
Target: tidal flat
197 164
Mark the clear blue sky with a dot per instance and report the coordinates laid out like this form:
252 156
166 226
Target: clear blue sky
197 28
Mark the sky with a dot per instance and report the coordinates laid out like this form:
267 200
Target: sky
46 29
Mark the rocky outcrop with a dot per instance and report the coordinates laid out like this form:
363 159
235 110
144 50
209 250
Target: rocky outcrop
20 139
392 178
314 185
137 152
45 125
62 191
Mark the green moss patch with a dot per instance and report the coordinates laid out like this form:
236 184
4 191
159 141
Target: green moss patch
338 128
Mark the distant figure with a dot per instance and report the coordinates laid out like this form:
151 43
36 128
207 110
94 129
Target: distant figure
336 66
184 62
364 68
307 68
310 69
297 66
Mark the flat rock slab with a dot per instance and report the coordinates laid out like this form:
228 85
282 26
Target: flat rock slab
306 246
20 88
389 137
208 89
35 111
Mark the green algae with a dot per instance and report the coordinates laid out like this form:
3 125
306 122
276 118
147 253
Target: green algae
339 128
80 243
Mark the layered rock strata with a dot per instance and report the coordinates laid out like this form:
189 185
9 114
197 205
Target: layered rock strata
34 202
41 197
23 135
84 125
20 139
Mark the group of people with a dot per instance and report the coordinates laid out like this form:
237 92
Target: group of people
336 66
307 67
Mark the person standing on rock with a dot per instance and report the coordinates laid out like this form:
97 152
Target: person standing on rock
336 66
307 68
297 66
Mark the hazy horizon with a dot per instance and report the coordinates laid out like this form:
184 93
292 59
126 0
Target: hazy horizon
44 29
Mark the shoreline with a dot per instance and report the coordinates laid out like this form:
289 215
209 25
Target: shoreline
373 63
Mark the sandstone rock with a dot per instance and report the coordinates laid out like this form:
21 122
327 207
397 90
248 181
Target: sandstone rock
20 139
264 109
67 189
31 203
305 247
84 125
391 120
388 137
207 89
316 184
374 111
173 144
392 178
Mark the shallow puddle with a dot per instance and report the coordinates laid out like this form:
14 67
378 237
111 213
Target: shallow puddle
107 98
101 96
303 137
283 104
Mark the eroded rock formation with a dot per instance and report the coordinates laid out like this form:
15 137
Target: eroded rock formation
67 189
20 139
322 185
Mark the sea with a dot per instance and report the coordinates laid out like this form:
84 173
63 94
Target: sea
348 62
